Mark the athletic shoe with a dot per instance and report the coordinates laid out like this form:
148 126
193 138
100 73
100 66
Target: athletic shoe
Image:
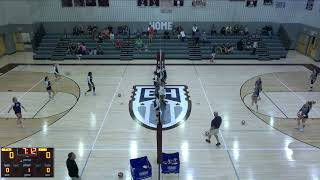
85 93
208 141
218 144
94 94
297 128
301 129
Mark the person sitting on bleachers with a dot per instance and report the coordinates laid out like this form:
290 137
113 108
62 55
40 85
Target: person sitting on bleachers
166 35
138 44
99 50
213 30
110 28
83 49
151 32
246 30
223 30
235 29
182 35
240 45
92 52
204 38
118 43
227 30
229 49
72 48
111 36
89 29
100 38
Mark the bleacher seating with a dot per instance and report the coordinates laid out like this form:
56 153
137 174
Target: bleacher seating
53 46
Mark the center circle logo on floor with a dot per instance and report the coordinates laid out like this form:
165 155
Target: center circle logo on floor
176 110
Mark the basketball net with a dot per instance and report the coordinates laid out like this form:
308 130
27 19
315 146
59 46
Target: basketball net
166 6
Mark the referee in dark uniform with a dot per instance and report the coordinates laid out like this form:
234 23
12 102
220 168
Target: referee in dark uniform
72 167
214 130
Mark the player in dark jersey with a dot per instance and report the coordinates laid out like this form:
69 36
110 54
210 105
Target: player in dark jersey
259 83
313 79
303 115
255 96
56 72
90 84
16 106
49 87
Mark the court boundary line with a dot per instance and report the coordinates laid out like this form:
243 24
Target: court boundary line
275 104
103 122
21 97
303 100
208 102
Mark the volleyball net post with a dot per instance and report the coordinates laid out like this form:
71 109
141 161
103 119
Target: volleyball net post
160 64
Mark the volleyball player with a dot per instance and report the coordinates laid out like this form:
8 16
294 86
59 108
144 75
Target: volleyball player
48 85
258 84
313 79
16 106
255 96
56 72
90 84
303 115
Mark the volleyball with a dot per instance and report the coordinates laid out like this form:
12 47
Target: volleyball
120 174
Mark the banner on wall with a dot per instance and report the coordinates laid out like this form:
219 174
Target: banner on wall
252 3
267 2
310 4
280 4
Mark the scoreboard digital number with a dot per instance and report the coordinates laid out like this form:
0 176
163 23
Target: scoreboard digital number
27 162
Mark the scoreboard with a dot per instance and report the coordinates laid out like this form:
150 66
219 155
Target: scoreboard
27 162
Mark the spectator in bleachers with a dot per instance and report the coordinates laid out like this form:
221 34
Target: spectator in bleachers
182 35
236 29
118 43
83 49
151 32
89 29
223 30
72 48
194 29
204 38
166 35
213 30
267 30
138 44
246 30
99 50
110 28
240 45
100 38
111 36
241 30
254 46
197 36
93 52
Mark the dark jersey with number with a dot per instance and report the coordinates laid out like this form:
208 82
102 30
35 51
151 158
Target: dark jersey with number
17 107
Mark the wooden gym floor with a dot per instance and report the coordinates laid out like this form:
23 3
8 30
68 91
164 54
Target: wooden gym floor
100 130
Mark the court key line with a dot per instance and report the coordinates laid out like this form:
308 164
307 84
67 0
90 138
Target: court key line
208 102
275 104
103 121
